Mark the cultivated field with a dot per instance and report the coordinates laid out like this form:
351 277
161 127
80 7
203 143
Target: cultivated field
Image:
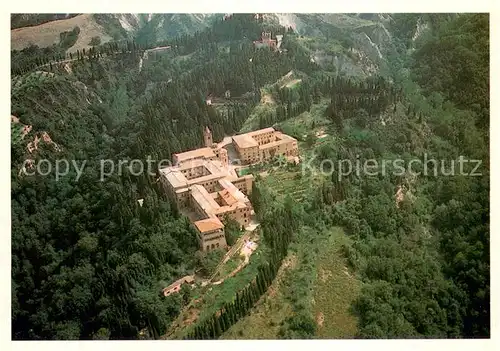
48 34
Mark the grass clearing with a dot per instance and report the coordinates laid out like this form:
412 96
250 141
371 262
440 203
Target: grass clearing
264 108
315 44
267 105
329 299
270 311
309 121
293 84
334 290
347 22
229 266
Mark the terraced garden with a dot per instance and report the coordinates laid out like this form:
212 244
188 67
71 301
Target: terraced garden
283 183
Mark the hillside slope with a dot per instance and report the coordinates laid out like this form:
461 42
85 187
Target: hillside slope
48 34
159 27
348 44
44 31
20 20
89 259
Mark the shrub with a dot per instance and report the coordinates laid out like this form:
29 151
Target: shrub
95 41
299 326
69 38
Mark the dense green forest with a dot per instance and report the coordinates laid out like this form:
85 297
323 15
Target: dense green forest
18 20
89 262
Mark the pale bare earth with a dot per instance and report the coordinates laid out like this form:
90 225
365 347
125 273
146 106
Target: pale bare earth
325 275
288 81
399 195
292 83
240 246
267 99
264 174
246 251
47 34
321 134
320 319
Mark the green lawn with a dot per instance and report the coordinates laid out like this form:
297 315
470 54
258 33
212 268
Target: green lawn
229 266
243 171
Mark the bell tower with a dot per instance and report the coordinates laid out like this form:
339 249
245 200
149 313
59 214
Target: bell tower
207 137
223 156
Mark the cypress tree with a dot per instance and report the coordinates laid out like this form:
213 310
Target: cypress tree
232 314
244 303
237 306
211 328
262 282
256 291
248 299
225 321
218 329
205 331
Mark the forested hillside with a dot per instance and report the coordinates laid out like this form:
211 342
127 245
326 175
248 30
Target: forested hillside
45 30
89 260
426 265
19 20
